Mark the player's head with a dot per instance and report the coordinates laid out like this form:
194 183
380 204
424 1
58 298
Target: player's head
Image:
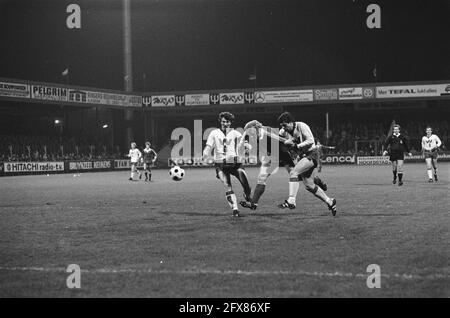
286 121
396 129
147 144
133 145
225 120
429 131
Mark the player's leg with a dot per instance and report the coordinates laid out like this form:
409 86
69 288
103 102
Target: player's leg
293 190
138 172
264 173
149 171
308 181
132 171
428 161
145 171
394 170
241 175
224 176
305 164
320 183
400 171
434 162
263 176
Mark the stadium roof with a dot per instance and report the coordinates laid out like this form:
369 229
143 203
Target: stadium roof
204 45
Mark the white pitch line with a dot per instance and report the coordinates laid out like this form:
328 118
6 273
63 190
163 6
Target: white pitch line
228 272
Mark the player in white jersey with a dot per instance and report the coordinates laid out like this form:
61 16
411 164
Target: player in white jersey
227 144
300 141
135 155
430 146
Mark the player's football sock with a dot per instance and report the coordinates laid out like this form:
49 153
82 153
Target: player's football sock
232 201
400 177
242 176
430 174
332 207
293 189
319 193
259 190
394 172
149 177
435 176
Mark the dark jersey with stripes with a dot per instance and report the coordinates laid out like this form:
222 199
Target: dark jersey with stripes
148 154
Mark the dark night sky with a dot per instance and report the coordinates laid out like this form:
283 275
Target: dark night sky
217 44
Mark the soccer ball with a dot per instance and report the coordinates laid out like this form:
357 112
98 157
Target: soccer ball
176 173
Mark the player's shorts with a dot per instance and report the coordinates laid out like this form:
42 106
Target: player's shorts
134 163
148 162
314 157
285 159
430 154
394 156
228 169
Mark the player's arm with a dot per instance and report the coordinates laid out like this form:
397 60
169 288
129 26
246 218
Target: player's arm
309 138
253 124
241 142
255 127
207 151
438 142
406 143
156 155
386 144
423 143
209 146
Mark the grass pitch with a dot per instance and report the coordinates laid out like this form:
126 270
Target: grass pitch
178 239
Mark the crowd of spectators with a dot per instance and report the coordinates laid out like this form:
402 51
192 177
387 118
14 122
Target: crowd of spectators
53 148
365 138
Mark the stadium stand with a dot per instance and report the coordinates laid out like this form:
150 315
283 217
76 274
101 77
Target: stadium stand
342 136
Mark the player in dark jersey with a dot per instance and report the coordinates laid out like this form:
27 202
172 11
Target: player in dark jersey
149 157
396 145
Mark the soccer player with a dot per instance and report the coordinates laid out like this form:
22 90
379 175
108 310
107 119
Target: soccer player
430 146
135 155
299 138
225 142
149 157
397 145
270 160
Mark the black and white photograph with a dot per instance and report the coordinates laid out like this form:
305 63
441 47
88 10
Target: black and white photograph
224 154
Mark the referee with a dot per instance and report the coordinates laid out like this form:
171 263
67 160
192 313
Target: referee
397 145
